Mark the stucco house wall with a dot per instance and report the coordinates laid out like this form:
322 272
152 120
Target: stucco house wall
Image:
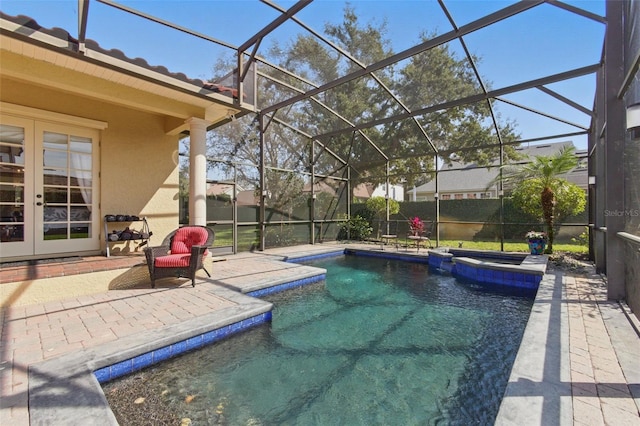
138 160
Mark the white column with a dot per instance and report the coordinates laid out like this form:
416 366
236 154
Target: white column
197 171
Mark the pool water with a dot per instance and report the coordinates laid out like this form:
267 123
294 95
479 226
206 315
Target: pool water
380 342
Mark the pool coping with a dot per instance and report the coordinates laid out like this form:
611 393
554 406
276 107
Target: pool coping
539 388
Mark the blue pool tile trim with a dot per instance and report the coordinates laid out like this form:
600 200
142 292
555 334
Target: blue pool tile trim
139 362
388 255
314 256
493 276
529 280
287 286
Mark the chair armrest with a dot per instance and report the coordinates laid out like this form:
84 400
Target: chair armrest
152 252
195 261
198 251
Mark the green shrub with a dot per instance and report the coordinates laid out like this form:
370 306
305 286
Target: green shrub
582 239
279 236
356 228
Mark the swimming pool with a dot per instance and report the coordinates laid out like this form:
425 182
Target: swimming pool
380 342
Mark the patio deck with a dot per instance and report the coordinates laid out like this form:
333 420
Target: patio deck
578 362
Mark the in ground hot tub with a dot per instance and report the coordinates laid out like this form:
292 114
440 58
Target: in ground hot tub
491 267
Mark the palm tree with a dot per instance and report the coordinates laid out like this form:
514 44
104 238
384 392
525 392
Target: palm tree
544 171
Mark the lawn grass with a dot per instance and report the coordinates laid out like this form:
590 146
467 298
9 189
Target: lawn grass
509 246
247 237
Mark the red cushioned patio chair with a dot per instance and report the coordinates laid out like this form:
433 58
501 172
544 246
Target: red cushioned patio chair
181 254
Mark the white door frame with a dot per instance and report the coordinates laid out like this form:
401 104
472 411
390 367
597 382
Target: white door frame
36 121
25 247
70 244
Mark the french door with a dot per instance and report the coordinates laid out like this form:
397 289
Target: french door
48 188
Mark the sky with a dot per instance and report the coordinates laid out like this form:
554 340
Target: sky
539 42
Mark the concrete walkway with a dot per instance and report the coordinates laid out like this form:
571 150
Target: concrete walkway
604 356
579 360
42 343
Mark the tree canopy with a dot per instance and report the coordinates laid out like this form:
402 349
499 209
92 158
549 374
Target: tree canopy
406 146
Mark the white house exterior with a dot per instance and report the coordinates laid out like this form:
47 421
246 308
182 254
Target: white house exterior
459 181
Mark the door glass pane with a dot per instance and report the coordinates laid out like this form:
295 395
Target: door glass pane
80 172
81 230
11 183
11 154
54 177
55 159
55 150
11 135
11 233
81 145
80 162
11 174
56 141
80 214
11 193
56 214
55 231
11 222
80 196
55 195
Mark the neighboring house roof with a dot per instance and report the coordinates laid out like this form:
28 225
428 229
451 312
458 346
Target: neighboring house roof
247 198
460 177
363 190
320 186
220 188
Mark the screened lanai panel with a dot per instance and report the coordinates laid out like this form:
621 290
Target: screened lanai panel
578 89
436 76
467 129
312 116
237 141
400 139
248 179
482 156
463 14
542 41
220 170
557 118
469 203
274 70
286 149
359 101
327 163
179 52
330 45
286 234
331 199
285 197
411 172
632 183
400 22
366 157
219 20
338 147
274 87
